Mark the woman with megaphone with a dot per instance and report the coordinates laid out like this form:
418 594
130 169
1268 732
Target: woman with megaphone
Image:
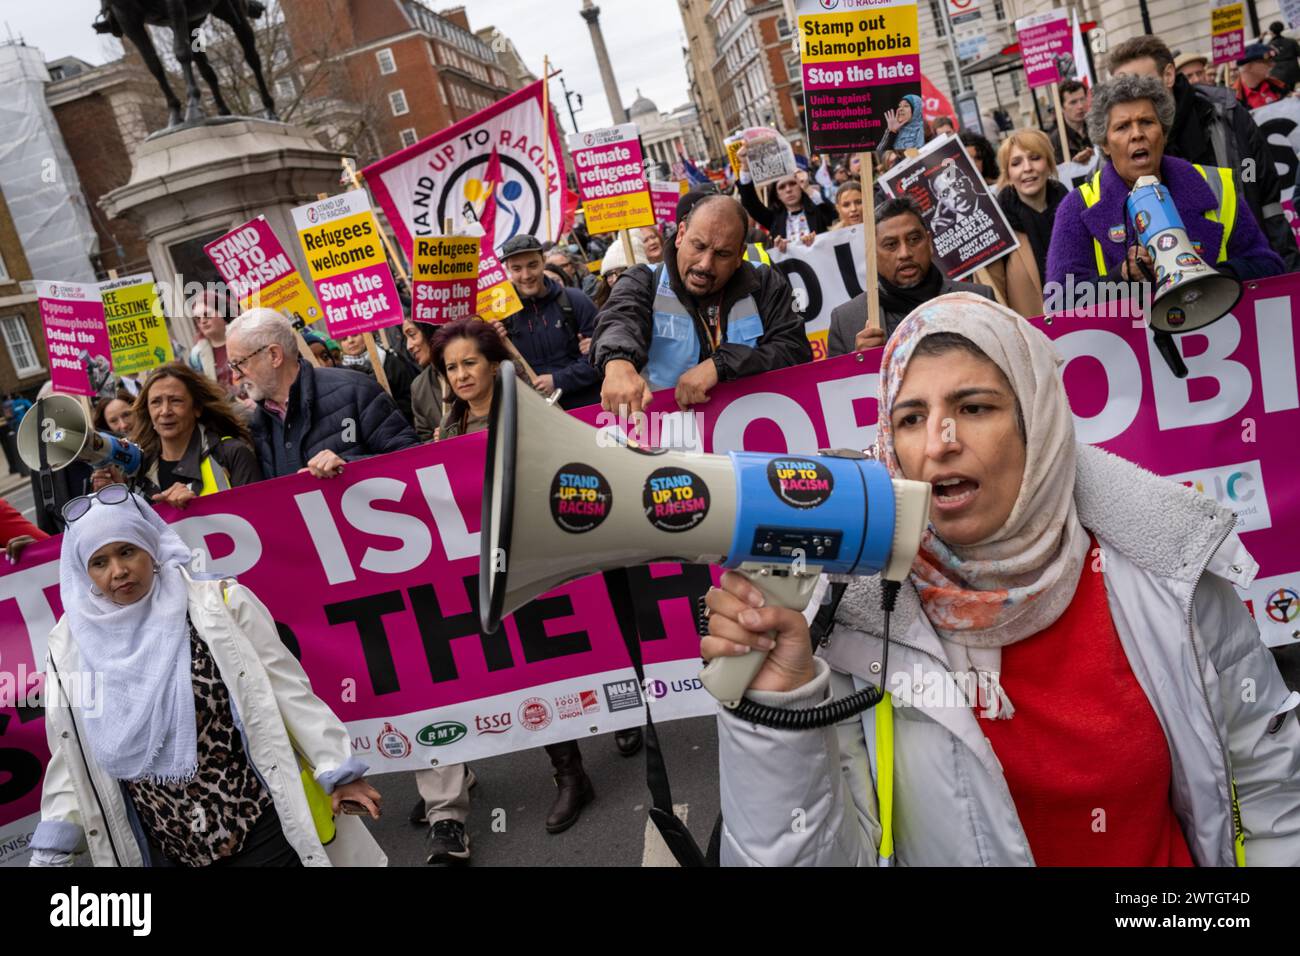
1064 681
193 441
182 731
1092 237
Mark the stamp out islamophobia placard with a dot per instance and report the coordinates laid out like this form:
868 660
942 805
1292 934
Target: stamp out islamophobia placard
1044 39
860 58
1227 31
346 257
260 273
611 178
444 278
968 226
72 314
664 197
137 328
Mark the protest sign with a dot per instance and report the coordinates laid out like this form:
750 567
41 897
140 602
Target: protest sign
823 276
76 339
1279 124
768 155
137 328
733 144
1291 13
260 273
859 61
967 224
1046 47
398 626
1227 30
495 296
664 198
444 176
444 278
346 258
611 178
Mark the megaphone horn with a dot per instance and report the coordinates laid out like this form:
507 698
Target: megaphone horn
1189 293
59 423
588 505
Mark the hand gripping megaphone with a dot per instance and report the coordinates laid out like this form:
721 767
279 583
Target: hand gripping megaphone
561 502
1189 293
60 424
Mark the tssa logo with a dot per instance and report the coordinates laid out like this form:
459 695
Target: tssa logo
1238 487
492 723
658 690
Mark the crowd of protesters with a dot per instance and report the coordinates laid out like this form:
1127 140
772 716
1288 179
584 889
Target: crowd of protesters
610 320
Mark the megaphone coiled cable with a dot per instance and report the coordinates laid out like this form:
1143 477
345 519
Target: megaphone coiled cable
823 715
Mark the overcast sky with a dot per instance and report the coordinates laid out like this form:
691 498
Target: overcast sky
645 47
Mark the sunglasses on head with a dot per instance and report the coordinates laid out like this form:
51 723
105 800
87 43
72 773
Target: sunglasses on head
111 495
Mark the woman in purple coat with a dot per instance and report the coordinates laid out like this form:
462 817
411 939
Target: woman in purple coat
1129 120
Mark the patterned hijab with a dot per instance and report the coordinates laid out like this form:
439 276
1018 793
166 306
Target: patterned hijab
1016 582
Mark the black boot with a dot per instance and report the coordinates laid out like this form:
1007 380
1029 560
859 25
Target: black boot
575 789
628 741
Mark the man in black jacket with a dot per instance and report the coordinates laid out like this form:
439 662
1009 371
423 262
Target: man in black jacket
308 419
1213 129
550 330
701 317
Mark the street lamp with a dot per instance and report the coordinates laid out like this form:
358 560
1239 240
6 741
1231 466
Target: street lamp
568 101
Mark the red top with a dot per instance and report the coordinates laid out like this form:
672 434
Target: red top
1084 755
13 525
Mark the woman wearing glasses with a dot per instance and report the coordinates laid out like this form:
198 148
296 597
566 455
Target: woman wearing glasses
192 439
182 732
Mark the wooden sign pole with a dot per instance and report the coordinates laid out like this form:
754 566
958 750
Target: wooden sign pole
1060 122
546 139
869 240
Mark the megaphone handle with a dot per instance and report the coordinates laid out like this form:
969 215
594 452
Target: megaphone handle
727 678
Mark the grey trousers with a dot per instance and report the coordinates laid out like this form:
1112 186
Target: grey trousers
445 791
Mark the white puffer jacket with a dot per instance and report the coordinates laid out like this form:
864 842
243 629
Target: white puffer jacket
1170 559
274 704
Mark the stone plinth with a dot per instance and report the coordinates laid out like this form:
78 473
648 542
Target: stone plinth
190 186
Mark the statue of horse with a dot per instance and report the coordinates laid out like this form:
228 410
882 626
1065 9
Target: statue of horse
129 18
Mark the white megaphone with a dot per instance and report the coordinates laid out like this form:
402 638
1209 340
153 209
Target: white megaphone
560 503
1189 293
60 424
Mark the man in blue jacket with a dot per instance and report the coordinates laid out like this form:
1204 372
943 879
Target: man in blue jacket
308 418
554 328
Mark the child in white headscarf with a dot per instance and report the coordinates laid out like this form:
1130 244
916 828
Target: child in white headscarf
182 732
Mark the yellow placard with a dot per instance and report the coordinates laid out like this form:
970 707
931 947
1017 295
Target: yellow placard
619 212
818 341
733 154
839 37
137 328
443 258
289 294
1228 18
498 302
342 245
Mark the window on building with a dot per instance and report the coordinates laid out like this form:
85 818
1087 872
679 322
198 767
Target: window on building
999 10
387 64
408 137
4 271
783 28
284 89
937 15
19 343
397 101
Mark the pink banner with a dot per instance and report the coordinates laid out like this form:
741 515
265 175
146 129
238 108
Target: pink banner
1042 41
372 576
664 197
876 72
76 336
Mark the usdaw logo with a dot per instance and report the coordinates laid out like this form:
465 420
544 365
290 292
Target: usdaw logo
1239 488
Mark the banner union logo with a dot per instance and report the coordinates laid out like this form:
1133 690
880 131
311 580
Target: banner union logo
535 714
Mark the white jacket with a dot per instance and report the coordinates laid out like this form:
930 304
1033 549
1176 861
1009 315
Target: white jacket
274 704
1170 558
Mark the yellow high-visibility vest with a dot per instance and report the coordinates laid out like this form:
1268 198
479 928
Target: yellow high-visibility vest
755 253
1217 178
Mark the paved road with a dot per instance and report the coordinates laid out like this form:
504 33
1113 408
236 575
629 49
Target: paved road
517 790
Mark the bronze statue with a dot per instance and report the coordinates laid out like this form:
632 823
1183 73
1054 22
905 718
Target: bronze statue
129 18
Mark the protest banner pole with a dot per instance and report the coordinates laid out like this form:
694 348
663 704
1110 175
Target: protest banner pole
546 137
869 243
627 247
398 260
1060 121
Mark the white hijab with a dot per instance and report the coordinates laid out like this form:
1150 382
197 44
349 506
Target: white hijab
143 724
